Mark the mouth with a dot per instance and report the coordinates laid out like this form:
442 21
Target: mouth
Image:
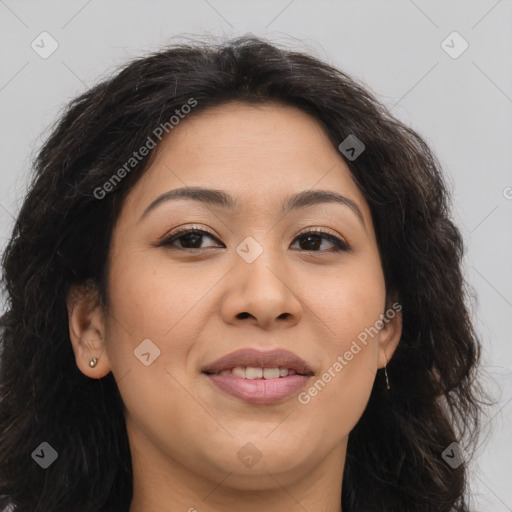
254 364
253 373
259 377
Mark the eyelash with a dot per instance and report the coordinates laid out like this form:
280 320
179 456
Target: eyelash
339 244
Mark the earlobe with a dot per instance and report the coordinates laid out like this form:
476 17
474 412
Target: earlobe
87 331
390 334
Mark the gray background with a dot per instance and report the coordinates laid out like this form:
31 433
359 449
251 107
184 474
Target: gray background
461 106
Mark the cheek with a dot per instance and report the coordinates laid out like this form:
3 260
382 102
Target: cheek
153 297
349 307
150 301
350 302
340 392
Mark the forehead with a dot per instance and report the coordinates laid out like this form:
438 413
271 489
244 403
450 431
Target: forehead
257 153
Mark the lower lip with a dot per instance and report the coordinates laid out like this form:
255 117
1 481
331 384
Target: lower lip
260 391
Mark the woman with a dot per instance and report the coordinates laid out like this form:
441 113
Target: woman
234 284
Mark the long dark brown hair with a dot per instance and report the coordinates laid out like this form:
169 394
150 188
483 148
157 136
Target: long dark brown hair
62 234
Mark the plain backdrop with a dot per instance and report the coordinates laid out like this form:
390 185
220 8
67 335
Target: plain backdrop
460 103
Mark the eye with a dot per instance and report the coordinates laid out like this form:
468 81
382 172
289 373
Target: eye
190 239
314 238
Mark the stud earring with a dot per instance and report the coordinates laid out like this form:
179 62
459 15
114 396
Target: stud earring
387 380
93 361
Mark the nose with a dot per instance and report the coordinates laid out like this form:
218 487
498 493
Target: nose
262 292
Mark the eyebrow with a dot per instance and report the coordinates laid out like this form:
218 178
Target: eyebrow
220 198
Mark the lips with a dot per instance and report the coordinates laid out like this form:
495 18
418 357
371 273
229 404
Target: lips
251 358
259 378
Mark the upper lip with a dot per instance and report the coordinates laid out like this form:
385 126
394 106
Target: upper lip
277 358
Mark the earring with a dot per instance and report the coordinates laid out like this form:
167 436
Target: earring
387 380
93 361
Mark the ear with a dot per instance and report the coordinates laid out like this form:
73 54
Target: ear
87 330
390 334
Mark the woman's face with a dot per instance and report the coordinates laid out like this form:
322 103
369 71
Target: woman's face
254 280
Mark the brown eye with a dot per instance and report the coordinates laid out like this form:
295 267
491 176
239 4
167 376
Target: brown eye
312 240
188 239
191 239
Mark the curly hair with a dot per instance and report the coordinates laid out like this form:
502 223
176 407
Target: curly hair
62 234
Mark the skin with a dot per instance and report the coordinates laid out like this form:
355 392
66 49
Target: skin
184 433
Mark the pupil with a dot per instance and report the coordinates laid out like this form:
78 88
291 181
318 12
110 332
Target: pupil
309 237
193 235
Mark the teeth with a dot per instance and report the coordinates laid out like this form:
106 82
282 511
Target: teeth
238 372
252 373
271 373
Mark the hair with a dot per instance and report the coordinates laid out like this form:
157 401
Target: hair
61 238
